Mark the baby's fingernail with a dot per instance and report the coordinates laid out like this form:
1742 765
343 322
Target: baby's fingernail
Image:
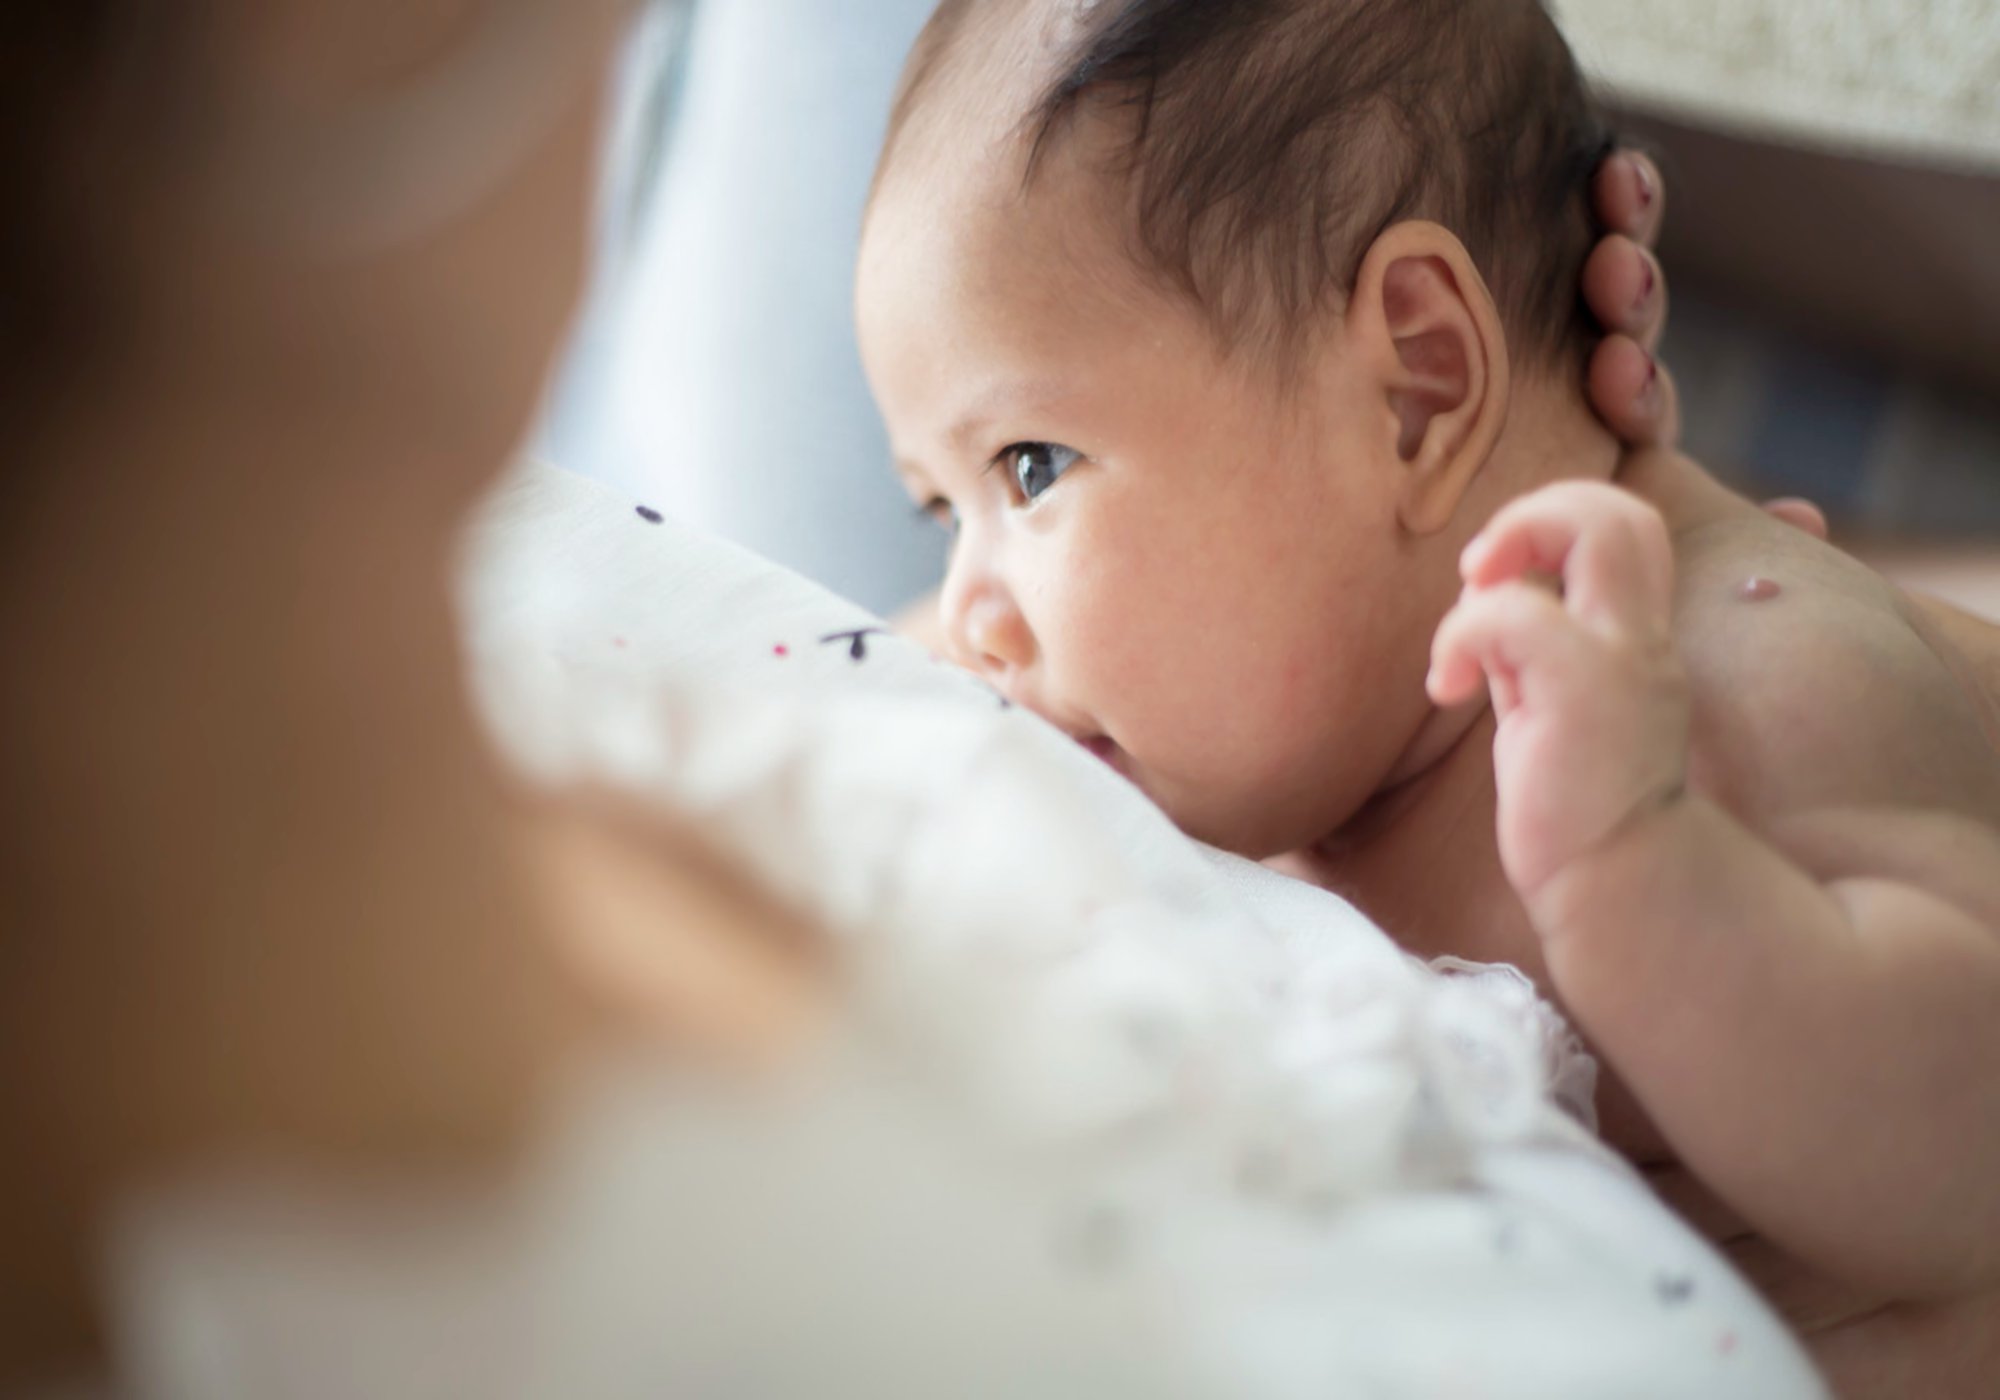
1649 281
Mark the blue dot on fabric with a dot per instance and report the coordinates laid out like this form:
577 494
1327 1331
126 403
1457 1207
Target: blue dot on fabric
650 516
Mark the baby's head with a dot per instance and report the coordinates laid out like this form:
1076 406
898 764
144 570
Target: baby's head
1218 329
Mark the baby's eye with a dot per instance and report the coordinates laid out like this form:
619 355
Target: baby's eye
1036 466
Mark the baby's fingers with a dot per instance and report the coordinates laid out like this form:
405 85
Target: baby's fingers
1502 635
1609 548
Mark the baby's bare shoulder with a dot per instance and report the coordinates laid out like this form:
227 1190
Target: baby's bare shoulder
1819 685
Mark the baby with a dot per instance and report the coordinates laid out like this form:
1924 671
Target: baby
1240 347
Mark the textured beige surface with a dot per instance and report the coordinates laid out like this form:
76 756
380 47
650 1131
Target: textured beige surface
1914 80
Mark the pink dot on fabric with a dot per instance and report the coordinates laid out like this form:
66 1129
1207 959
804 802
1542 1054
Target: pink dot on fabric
781 650
1727 1344
1760 590
618 642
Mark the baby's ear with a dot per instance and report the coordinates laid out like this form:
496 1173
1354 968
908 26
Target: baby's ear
1429 324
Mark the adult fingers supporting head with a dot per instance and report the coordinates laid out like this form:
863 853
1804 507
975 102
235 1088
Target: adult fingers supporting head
1629 196
1626 290
1634 394
1800 514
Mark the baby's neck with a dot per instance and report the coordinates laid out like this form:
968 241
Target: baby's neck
1421 859
1551 435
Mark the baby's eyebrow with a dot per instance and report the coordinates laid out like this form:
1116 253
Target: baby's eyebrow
1007 398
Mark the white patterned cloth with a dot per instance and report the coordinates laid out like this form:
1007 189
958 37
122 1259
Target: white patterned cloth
1105 1114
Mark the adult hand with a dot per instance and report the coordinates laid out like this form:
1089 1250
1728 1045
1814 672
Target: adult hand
1626 290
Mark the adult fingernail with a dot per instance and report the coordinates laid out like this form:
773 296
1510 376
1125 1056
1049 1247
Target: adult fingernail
1645 179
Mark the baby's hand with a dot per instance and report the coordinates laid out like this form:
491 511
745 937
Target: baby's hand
1587 688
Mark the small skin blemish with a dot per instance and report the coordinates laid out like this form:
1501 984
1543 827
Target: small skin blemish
1759 590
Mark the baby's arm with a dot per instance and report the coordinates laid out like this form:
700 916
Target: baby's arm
1826 1054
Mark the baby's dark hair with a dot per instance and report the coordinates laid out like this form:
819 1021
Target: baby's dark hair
1268 143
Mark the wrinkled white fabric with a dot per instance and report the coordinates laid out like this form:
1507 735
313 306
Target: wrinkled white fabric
1106 1114
899 801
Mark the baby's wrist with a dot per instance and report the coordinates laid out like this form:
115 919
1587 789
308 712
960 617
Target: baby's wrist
1599 883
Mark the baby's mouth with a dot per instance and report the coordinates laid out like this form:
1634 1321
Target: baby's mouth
1103 748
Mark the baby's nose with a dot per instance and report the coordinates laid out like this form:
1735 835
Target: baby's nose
988 633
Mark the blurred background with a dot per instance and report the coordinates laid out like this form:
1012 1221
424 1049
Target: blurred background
716 375
1833 243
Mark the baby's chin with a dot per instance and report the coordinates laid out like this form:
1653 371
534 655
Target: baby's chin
1244 819
1232 821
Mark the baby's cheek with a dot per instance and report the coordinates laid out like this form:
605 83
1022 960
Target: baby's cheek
1175 653
1212 709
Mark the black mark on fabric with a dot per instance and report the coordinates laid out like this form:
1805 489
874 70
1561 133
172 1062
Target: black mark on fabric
856 642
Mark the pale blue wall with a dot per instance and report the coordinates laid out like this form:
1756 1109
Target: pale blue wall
717 376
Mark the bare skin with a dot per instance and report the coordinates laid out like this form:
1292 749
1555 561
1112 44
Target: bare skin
265 890
1867 1345
232 840
1051 602
1644 915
